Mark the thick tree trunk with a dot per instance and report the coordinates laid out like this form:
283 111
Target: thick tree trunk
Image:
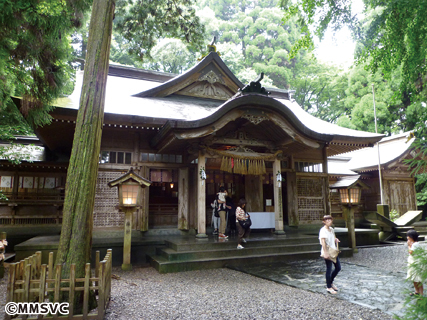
76 235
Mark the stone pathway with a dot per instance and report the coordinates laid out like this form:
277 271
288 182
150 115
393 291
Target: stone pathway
378 289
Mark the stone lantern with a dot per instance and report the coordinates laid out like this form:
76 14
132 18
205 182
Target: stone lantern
129 187
350 190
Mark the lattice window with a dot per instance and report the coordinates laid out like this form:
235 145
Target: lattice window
311 202
106 199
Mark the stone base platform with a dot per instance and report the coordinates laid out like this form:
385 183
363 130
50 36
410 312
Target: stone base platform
177 251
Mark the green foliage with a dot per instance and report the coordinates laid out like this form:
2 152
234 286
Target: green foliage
359 102
320 15
319 88
418 163
34 64
16 153
35 53
141 23
421 189
394 215
181 59
416 307
394 35
227 9
264 42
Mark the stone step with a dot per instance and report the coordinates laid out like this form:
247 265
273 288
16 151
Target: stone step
202 245
250 249
162 265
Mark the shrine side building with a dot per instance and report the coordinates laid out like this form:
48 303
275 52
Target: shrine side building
189 134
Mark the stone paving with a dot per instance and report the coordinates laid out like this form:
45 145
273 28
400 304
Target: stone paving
378 289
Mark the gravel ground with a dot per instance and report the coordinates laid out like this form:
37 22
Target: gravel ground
224 294
389 258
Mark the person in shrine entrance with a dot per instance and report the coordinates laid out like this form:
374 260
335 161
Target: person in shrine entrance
220 198
242 215
215 217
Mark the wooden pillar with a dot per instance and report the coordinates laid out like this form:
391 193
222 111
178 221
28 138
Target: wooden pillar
326 193
15 185
201 197
183 199
192 192
254 193
136 155
349 217
145 196
127 239
292 194
278 204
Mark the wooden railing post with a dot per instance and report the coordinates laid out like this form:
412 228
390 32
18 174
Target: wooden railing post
58 271
42 287
86 291
27 286
11 286
101 290
72 291
97 261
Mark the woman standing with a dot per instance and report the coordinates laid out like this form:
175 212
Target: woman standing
327 238
241 215
220 197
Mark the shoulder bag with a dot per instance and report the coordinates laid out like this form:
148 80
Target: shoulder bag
245 224
333 253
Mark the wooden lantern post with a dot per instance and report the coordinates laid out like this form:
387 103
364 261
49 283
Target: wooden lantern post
350 193
129 187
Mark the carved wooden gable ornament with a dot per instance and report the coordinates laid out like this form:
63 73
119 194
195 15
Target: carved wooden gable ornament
208 85
210 79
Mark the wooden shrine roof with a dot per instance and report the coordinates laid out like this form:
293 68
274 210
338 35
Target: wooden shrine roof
392 150
200 97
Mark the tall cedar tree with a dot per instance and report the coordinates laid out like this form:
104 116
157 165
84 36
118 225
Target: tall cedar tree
76 235
77 223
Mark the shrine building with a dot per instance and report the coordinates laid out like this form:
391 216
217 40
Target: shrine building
189 134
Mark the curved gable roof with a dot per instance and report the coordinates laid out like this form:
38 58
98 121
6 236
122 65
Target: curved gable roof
288 115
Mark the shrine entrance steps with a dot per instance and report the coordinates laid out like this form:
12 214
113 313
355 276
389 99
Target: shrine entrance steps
194 254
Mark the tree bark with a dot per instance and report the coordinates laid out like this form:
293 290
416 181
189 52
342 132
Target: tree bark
77 224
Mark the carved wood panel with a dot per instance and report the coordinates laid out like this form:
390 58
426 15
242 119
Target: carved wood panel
105 213
311 202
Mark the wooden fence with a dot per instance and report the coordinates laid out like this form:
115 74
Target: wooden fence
30 281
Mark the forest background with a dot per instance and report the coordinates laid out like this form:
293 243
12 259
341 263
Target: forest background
252 37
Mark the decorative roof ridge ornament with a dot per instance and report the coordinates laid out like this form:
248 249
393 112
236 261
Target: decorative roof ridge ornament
255 86
211 48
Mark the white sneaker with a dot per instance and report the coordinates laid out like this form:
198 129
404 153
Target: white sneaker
240 246
331 291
